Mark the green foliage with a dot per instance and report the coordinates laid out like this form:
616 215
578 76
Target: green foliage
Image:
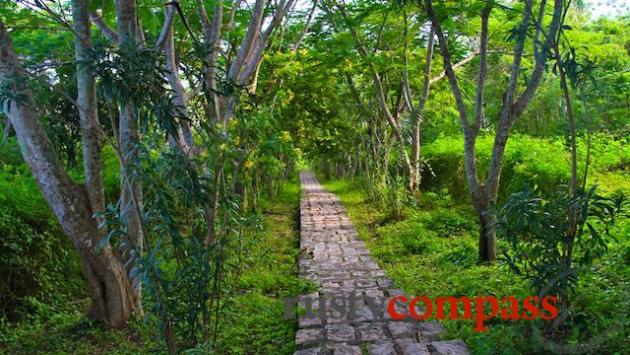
422 262
40 271
252 316
314 106
10 154
553 241
254 322
527 163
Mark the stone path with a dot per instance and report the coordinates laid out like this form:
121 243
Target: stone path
333 256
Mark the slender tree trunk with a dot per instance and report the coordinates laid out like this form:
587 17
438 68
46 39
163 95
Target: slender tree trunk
183 137
417 114
484 194
212 40
86 100
414 177
487 237
129 136
572 126
110 289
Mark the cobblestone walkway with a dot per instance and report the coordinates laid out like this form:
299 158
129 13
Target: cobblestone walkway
335 258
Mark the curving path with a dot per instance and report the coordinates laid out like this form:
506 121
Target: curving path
352 289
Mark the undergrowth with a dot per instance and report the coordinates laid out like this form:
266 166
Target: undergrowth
252 315
433 252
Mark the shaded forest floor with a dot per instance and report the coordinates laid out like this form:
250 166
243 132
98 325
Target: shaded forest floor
432 250
252 322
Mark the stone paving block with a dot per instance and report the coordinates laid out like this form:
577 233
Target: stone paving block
430 330
309 322
363 313
346 349
340 333
382 349
449 347
309 337
400 329
372 331
412 348
312 351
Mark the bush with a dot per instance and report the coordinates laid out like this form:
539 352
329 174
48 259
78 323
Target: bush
414 243
449 223
10 153
551 242
37 258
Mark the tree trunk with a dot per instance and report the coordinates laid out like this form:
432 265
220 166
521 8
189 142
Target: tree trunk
183 136
212 41
131 192
417 113
109 285
131 189
86 100
414 177
487 238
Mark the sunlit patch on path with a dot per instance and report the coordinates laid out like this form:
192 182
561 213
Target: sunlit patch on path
333 256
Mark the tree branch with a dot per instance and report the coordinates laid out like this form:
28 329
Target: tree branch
539 68
166 28
307 26
449 71
107 32
483 67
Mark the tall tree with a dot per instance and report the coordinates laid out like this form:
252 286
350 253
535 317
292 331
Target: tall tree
484 191
74 204
416 110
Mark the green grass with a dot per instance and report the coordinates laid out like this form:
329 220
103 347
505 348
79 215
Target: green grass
432 251
252 320
70 333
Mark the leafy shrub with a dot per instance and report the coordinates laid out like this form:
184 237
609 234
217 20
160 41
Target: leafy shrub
10 153
552 241
539 163
463 255
37 258
414 244
447 223
607 154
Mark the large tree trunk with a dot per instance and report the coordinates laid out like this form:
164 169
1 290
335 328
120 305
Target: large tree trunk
110 288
